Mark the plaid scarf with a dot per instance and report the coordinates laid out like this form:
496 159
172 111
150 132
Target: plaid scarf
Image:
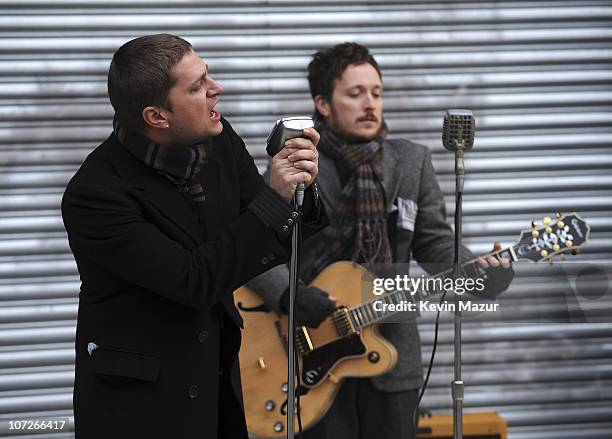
179 164
359 231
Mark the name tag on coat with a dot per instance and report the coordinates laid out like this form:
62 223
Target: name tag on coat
407 212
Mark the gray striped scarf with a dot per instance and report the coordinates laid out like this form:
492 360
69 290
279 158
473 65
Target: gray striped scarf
179 164
359 231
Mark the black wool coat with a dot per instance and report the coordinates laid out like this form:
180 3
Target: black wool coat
157 332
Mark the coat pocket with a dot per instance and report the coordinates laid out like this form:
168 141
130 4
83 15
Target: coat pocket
125 364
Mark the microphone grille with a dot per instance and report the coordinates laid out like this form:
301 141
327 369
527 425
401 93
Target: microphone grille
458 128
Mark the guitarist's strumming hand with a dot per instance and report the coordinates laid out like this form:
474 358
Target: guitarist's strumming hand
312 305
498 270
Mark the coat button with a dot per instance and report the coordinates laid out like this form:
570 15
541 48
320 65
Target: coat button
294 215
264 260
202 336
289 221
193 392
271 257
285 228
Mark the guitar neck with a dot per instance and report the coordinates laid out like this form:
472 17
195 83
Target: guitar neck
368 313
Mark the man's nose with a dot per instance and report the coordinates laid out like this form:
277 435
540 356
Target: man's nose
369 101
216 88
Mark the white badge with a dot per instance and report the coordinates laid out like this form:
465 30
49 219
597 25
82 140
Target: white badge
407 212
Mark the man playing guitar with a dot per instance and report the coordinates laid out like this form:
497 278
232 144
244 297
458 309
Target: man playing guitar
384 206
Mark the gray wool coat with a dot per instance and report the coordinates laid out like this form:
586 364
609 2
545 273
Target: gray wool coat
417 227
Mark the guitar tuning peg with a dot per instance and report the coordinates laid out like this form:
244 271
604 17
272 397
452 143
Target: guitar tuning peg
534 224
560 224
562 256
558 215
546 220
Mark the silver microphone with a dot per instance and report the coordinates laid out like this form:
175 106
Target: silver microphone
458 130
285 129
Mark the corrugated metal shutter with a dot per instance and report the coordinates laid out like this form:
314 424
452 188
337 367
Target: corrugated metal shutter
537 75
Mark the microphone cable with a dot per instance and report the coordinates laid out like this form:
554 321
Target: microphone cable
298 381
415 412
297 394
296 357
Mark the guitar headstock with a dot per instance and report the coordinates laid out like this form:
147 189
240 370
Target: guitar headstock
558 236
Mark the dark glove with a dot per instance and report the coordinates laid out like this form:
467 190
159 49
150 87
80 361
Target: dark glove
312 306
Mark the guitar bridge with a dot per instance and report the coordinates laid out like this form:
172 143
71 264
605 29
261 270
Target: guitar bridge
343 322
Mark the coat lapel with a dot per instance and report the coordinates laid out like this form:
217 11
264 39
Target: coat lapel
209 208
330 188
159 191
168 200
391 172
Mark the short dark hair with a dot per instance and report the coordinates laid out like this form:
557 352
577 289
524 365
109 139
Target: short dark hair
327 65
140 75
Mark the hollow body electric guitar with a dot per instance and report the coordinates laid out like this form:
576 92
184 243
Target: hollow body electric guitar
349 343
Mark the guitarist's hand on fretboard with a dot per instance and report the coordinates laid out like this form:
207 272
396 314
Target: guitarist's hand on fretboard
499 273
312 306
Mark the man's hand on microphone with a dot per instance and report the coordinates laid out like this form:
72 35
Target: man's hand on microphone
297 162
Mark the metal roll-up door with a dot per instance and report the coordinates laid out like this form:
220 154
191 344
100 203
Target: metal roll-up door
536 74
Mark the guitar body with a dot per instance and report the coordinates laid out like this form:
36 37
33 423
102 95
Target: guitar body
263 357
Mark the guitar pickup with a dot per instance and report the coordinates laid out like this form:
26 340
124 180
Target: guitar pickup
343 322
303 340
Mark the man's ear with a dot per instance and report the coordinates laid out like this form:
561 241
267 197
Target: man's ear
322 106
155 117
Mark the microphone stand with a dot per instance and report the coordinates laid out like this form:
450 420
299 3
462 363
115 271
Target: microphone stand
457 384
293 283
